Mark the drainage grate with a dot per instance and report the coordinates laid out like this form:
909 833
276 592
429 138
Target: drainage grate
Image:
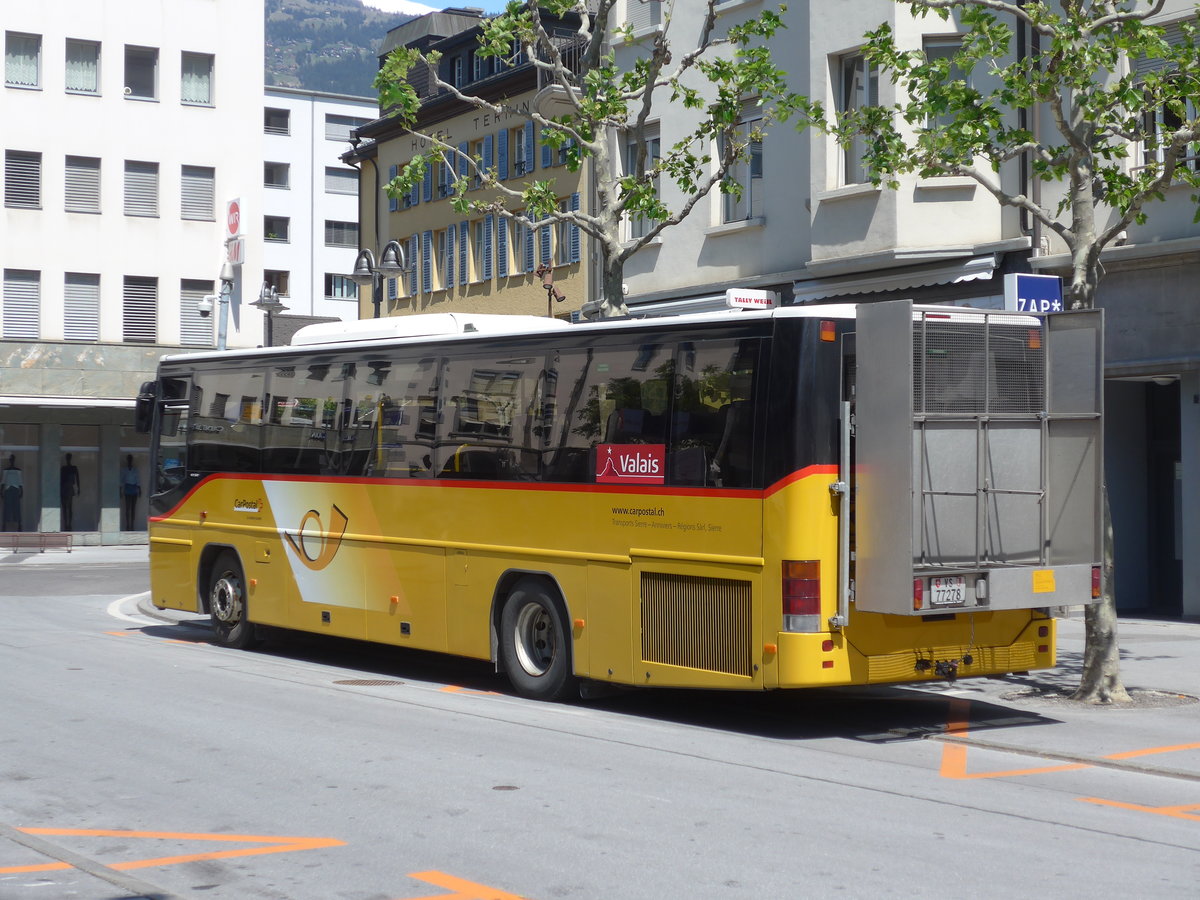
369 682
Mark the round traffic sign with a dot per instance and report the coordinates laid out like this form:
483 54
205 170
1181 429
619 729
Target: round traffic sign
233 218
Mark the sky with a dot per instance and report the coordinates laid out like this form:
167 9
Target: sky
414 7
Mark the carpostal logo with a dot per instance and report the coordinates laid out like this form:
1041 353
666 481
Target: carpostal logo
248 506
313 543
630 463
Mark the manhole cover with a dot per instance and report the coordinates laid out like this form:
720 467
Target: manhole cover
369 682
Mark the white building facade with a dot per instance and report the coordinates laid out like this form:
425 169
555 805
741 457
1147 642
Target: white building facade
128 127
310 225
812 228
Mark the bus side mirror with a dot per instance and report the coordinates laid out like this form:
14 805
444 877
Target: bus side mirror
143 408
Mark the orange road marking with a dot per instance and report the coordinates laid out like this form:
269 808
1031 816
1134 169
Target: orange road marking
954 756
463 889
277 845
118 633
1176 812
458 689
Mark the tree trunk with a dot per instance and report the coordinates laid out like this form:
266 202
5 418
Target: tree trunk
612 288
1100 679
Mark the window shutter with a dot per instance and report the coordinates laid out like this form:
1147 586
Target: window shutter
464 154
341 181
81 307
1144 65
489 225
195 330
82 184
20 312
426 261
414 195
393 288
427 183
412 275
530 264
141 188
464 273
502 155
574 230
488 153
22 179
450 233
198 185
140 306
544 243
528 146
502 247
641 14
547 154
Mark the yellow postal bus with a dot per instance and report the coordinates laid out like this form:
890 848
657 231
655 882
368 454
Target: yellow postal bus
745 500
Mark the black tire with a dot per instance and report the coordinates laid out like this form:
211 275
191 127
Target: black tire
227 603
535 643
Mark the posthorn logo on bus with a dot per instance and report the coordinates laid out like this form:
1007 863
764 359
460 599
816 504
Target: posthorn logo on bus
630 464
313 543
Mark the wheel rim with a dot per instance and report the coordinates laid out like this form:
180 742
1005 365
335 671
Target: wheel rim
533 639
225 599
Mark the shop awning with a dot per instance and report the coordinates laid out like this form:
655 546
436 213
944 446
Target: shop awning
973 269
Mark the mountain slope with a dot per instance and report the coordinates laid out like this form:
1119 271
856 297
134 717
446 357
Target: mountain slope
325 45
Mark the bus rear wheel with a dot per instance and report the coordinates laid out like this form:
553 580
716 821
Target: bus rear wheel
535 643
227 603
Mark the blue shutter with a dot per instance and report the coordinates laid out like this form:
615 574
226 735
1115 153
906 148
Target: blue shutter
502 155
547 154
489 224
464 151
426 261
450 256
427 183
574 229
528 146
412 259
393 291
414 195
530 265
488 154
464 274
393 202
544 242
502 247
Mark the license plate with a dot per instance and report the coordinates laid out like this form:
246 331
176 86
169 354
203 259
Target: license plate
949 590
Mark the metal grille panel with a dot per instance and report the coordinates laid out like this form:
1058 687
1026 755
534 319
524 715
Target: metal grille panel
700 623
891 667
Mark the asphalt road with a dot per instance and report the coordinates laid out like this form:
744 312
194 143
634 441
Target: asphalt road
137 760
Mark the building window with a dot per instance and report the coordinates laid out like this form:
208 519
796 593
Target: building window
459 67
340 287
22 60
81 307
641 14
341 234
22 304
141 188
140 307
859 88
478 238
141 72
198 186
639 225
338 128
22 179
276 175
277 121
341 181
196 82
277 228
441 265
195 330
83 67
82 184
748 173
1163 122
278 280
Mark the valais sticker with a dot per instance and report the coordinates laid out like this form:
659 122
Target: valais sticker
630 463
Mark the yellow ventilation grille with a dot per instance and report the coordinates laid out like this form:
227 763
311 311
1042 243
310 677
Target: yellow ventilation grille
701 623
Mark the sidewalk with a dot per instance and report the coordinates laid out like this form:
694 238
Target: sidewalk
118 554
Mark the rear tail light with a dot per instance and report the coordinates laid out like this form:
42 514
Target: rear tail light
1095 582
1035 339
918 593
828 331
801 595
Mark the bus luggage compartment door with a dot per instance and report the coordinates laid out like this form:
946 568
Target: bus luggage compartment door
978 458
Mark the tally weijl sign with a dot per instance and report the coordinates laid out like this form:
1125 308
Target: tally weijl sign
630 463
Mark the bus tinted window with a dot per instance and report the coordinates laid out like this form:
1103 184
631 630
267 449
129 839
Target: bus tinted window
301 432
226 422
389 422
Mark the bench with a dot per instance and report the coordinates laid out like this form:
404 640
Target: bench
30 541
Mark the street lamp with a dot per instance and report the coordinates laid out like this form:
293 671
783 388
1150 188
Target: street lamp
268 301
368 273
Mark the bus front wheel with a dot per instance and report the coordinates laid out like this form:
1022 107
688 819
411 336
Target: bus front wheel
227 603
535 643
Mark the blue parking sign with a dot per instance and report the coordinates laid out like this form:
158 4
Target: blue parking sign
1033 293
